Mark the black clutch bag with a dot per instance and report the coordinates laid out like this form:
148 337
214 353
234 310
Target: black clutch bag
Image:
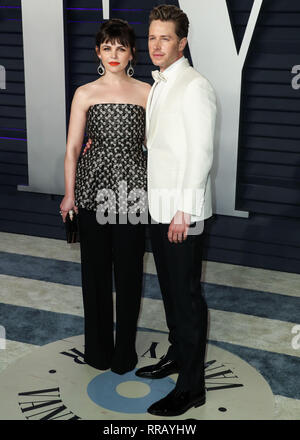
72 229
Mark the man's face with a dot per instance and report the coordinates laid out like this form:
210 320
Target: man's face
164 45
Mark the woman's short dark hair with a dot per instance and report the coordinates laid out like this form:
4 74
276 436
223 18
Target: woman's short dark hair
171 13
117 30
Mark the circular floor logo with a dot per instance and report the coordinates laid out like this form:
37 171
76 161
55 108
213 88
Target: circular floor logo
54 383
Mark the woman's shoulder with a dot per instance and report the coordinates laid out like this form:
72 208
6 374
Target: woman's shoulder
142 90
142 84
85 94
87 89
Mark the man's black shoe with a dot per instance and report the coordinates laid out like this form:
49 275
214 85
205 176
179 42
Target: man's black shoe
176 403
162 369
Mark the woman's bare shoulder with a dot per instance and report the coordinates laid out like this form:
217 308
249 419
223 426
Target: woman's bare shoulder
144 85
88 89
142 89
85 94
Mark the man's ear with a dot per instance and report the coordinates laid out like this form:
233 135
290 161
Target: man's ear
182 44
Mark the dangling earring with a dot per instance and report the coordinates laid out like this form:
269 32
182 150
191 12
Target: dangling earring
101 68
130 70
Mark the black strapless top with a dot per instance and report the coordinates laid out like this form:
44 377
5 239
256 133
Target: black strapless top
115 158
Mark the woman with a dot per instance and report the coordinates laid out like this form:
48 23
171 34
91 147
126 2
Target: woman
113 108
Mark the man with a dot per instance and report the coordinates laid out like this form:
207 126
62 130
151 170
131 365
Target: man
181 113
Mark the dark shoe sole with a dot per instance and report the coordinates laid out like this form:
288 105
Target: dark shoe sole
156 376
178 413
98 367
200 403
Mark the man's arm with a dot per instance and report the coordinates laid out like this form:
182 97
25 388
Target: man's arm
199 114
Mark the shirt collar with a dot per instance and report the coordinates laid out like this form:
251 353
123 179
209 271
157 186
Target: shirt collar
167 73
173 67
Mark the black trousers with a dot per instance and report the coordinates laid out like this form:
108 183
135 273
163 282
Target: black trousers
122 247
179 268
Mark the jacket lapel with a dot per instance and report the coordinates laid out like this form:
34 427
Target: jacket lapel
151 123
148 107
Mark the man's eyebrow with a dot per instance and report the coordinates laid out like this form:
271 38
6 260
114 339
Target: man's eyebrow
167 35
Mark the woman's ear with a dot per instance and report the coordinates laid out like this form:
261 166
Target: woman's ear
97 49
132 53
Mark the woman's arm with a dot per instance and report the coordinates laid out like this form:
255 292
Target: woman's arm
74 143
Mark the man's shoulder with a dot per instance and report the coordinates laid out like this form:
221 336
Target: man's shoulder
191 76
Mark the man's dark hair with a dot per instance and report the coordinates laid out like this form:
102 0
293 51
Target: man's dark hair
171 13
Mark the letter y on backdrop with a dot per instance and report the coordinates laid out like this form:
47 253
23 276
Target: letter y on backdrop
215 56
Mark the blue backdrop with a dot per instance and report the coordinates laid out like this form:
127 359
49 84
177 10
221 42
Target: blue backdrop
269 146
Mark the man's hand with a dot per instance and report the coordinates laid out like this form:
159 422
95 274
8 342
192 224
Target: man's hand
178 229
87 146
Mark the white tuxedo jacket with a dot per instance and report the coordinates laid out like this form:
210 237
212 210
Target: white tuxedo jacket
180 135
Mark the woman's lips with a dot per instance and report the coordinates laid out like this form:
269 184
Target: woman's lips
114 63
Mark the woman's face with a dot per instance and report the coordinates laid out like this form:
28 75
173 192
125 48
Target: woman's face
115 57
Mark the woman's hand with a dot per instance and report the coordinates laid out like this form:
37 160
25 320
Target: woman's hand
66 205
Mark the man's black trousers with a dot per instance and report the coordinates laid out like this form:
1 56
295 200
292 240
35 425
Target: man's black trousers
179 268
